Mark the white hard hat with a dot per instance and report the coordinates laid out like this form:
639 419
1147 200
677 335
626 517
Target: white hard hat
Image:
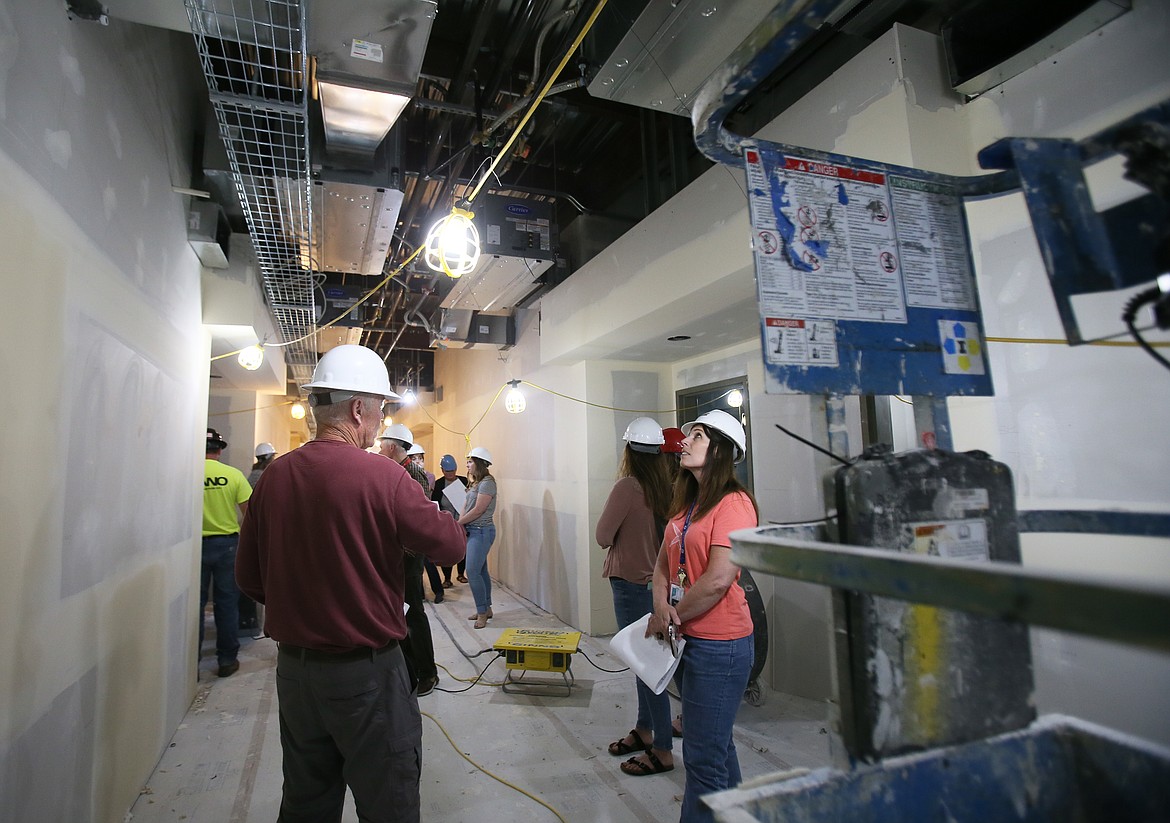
265 449
725 424
397 431
482 453
644 435
416 449
352 368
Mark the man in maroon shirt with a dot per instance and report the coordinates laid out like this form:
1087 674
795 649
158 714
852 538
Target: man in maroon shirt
322 549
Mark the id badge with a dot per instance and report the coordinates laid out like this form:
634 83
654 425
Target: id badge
676 593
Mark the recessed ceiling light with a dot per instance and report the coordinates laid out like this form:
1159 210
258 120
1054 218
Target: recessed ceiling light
677 337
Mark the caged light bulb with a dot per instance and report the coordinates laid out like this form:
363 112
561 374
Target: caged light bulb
514 401
452 244
251 357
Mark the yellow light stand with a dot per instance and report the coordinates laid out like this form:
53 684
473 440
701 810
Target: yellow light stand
538 650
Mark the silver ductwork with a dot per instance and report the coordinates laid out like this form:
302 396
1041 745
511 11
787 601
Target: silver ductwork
367 63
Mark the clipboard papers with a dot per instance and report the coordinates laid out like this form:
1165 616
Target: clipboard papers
456 494
648 657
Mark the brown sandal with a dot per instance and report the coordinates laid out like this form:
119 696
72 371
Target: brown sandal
620 748
636 768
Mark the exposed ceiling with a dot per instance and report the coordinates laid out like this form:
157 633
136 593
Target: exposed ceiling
606 147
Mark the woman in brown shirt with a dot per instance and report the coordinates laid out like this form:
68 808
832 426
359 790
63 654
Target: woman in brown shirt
630 528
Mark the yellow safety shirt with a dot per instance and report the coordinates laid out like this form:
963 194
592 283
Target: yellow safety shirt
223 488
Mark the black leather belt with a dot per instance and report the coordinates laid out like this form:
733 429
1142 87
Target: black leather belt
318 656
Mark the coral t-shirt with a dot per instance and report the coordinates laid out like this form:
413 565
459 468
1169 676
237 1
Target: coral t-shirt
729 619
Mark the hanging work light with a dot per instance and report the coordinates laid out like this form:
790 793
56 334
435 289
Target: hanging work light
514 400
251 357
735 398
297 411
452 244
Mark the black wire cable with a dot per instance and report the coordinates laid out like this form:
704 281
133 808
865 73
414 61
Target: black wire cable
478 677
810 444
594 665
1129 315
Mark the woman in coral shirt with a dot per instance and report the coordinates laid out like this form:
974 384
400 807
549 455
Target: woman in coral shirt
697 595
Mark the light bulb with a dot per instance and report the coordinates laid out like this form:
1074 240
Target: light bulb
297 411
514 401
387 421
251 357
408 396
452 244
735 398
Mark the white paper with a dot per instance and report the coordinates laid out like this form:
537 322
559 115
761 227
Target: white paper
649 657
456 494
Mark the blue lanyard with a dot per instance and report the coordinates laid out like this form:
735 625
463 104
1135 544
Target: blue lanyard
682 543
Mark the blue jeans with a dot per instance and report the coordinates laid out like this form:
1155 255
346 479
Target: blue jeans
711 677
630 602
219 568
479 542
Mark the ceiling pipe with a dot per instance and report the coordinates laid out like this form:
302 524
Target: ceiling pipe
569 12
531 14
516 107
396 303
412 311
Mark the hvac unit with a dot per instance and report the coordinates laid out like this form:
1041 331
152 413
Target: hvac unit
333 301
477 329
518 243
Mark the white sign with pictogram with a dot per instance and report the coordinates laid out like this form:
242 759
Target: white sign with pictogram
795 341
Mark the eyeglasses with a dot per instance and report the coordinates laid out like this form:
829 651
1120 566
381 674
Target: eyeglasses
383 404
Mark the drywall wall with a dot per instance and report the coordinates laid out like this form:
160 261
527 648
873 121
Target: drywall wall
106 368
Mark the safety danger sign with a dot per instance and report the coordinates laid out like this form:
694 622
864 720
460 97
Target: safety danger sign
798 341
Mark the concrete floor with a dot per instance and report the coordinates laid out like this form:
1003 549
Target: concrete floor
484 749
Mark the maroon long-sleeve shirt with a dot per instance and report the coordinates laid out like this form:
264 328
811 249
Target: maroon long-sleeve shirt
322 542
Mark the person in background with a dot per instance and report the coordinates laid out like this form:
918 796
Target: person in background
697 593
322 548
418 454
448 465
481 530
224 489
396 441
631 529
265 454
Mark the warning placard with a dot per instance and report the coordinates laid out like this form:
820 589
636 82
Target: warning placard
796 341
954 539
936 270
836 255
